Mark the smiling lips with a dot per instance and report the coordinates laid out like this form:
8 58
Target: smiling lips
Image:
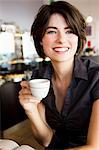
61 49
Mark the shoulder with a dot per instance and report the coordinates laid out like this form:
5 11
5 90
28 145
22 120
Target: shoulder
90 63
93 76
92 67
87 71
43 71
85 68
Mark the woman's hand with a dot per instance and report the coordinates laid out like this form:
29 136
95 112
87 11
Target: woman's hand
36 113
27 100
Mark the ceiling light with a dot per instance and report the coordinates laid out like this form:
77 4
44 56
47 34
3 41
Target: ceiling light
89 19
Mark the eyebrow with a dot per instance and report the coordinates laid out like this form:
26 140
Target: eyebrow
51 27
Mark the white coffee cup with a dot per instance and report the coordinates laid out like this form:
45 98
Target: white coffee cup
39 87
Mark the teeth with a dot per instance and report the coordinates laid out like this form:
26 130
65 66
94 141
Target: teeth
61 49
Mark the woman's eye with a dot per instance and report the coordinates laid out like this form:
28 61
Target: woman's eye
51 32
69 32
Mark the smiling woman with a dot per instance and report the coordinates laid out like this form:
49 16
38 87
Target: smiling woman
59 42
67 118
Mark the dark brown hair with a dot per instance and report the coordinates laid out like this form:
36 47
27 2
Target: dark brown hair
73 18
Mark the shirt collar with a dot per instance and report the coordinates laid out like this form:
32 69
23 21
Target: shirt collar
80 70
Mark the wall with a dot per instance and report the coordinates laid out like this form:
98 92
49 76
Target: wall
21 12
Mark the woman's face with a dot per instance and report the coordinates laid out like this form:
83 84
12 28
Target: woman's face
59 42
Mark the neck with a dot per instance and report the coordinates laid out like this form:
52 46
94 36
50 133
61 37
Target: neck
63 70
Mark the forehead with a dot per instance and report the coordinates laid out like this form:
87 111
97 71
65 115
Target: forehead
57 20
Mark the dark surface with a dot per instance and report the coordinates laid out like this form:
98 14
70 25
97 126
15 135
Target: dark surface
11 112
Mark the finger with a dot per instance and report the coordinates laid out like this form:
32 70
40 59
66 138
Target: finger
24 84
25 91
28 98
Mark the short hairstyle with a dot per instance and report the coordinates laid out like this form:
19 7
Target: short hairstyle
73 17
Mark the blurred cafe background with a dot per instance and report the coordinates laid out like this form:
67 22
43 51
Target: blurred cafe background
18 56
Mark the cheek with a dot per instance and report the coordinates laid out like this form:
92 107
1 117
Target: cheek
75 43
46 46
46 43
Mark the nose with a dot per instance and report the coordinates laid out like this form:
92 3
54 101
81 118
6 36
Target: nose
61 37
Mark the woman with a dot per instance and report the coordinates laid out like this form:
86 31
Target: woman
68 118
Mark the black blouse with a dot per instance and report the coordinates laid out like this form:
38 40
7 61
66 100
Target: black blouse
71 124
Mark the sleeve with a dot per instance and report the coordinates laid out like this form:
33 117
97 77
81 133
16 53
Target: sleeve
54 144
35 73
95 91
38 73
